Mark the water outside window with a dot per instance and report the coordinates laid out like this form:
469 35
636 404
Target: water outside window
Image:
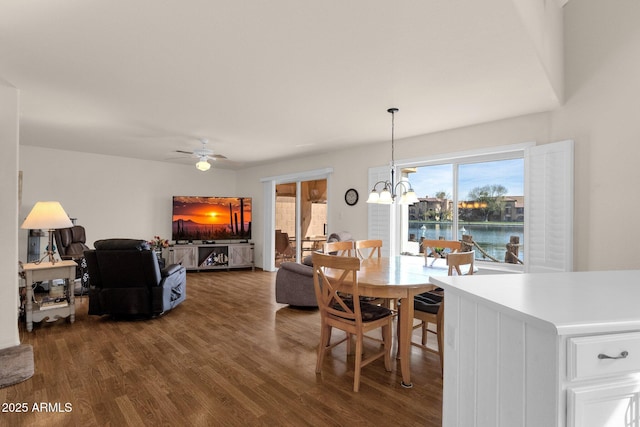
488 205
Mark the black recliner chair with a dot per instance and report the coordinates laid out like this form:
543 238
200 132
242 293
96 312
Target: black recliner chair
125 280
71 245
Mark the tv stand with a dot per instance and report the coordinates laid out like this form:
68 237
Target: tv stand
212 256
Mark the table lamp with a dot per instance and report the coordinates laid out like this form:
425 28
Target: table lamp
49 216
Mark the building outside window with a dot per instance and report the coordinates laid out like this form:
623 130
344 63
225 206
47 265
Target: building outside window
483 200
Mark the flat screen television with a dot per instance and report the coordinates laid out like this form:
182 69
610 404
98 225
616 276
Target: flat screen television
210 218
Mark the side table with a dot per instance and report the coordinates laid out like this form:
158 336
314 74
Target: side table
47 271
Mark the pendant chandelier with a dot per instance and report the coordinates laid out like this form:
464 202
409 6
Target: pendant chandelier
389 194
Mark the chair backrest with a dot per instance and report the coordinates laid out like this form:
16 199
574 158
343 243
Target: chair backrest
283 246
71 242
455 260
366 249
122 263
345 248
337 293
439 246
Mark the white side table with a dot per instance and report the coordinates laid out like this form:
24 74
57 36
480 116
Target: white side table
47 271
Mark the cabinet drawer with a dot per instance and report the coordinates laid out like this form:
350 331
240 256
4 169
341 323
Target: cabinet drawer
603 355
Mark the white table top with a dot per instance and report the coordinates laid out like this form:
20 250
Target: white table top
568 303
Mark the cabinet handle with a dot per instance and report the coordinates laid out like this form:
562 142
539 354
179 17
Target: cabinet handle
623 355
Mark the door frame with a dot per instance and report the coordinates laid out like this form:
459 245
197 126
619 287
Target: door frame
269 194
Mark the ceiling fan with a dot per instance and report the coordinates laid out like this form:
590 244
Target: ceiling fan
204 154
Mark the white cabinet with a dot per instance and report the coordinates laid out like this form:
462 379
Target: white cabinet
212 256
612 398
606 403
558 349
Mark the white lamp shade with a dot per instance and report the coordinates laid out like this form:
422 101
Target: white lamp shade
47 216
385 197
373 197
203 165
411 197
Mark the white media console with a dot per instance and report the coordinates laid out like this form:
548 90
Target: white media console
212 256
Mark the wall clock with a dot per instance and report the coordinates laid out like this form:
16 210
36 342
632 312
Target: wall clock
351 197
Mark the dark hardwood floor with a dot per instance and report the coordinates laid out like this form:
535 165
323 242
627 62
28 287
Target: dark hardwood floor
229 355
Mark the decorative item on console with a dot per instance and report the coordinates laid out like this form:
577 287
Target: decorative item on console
157 244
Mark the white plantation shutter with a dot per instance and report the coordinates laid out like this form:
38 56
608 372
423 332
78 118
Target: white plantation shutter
380 216
548 230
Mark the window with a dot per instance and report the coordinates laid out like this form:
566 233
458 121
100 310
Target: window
472 199
547 243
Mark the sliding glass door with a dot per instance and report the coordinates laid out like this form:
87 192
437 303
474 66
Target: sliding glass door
300 218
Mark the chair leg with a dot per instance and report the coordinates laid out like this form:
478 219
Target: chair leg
386 337
398 338
358 364
325 338
441 352
424 326
440 327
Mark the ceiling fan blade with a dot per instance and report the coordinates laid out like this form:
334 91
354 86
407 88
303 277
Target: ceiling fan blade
184 152
218 156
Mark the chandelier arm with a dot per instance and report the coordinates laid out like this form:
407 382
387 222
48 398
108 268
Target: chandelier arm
386 184
404 186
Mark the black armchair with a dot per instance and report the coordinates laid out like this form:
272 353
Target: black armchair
125 279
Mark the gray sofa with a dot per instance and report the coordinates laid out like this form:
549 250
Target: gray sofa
294 285
294 281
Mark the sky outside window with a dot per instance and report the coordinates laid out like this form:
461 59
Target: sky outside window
429 180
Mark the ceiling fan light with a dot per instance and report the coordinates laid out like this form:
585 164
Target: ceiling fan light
203 165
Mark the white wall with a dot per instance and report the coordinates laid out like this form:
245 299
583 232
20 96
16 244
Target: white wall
113 196
8 215
602 115
351 166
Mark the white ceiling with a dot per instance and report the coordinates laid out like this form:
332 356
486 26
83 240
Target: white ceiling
261 79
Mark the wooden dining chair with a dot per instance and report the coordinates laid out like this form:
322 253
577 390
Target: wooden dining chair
438 249
429 306
335 280
284 250
371 249
456 260
367 249
342 248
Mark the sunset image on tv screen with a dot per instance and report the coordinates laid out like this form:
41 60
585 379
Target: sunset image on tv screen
211 218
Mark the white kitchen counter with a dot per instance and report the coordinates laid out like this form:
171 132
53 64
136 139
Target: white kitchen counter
569 303
527 349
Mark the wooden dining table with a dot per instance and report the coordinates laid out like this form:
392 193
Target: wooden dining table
402 278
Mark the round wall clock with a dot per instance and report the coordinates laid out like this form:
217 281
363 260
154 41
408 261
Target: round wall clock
351 197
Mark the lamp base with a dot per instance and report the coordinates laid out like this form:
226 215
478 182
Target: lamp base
50 251
49 254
